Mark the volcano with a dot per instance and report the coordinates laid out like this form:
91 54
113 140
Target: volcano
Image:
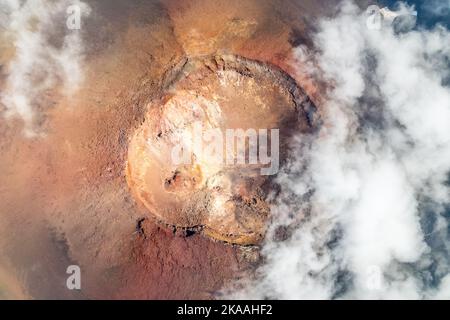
225 202
96 185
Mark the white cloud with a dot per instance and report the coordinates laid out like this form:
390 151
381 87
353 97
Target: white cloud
361 193
37 64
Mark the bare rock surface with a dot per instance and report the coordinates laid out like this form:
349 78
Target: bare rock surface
66 197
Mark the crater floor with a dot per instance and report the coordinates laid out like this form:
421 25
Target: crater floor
224 200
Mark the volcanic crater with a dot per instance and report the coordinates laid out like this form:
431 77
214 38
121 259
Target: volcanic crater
224 202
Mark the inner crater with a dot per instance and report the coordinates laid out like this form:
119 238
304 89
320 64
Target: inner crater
188 177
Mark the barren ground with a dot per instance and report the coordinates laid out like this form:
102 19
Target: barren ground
64 197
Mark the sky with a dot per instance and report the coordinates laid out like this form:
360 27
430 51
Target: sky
430 12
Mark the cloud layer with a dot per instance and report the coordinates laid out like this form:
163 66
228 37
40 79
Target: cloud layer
364 201
46 54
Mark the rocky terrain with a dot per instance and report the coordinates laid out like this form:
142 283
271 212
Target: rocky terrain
67 195
226 202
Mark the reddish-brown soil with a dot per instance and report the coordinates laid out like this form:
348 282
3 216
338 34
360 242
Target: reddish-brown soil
64 198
